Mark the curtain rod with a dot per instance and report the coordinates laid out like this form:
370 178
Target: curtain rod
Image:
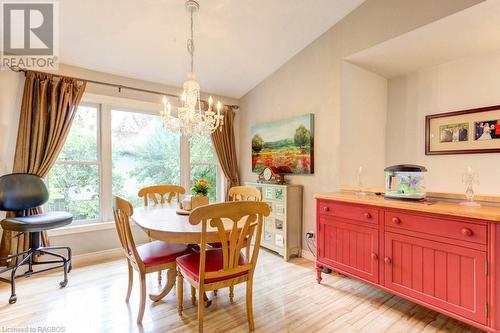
114 85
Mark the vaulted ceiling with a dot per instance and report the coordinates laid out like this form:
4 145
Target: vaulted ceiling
238 42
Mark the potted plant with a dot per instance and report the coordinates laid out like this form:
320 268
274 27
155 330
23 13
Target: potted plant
200 190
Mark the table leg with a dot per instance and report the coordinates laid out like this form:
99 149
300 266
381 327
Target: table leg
171 274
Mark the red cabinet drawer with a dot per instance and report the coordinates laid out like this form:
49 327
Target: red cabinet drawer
464 231
348 211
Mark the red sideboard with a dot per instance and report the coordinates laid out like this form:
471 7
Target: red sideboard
442 255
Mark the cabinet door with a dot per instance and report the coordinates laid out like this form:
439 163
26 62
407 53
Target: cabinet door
349 247
447 276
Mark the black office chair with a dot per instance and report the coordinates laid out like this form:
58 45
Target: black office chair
20 192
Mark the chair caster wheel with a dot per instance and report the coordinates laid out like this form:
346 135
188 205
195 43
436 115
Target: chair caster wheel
63 283
12 299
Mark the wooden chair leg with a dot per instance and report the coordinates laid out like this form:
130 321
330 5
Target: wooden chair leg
193 295
231 294
180 290
249 296
159 277
201 307
142 303
130 280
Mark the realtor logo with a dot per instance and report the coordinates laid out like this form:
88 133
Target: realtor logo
29 34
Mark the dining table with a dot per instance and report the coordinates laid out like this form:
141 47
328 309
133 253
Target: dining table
163 222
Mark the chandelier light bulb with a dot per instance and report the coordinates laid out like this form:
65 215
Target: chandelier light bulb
164 100
219 106
210 100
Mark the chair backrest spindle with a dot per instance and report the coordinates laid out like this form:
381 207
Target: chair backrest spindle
157 193
244 193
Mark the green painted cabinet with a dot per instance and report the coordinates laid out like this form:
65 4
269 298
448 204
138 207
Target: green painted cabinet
282 229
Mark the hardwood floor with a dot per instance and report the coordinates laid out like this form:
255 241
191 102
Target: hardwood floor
286 299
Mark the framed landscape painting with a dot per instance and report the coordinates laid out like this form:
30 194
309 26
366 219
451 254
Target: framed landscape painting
463 132
286 144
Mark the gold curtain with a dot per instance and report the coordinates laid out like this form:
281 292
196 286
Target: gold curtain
48 107
225 148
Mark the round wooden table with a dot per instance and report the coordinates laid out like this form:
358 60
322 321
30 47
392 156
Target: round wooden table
161 222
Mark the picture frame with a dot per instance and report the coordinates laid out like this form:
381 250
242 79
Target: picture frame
472 131
286 145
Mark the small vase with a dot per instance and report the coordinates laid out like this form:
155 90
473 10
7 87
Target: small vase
199 200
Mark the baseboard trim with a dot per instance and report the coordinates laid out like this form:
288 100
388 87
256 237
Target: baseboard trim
306 254
92 258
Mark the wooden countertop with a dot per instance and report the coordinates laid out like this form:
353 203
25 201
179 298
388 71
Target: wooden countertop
483 212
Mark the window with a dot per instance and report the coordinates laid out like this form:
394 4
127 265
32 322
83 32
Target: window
143 153
74 181
116 151
203 163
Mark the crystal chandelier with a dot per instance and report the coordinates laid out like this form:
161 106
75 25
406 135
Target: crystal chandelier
191 119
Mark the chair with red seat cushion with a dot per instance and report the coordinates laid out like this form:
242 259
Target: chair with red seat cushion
147 258
211 269
161 194
240 193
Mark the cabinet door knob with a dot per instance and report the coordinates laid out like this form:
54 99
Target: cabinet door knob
387 260
466 232
396 220
374 256
368 215
326 209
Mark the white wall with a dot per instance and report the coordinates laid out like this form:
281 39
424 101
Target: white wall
11 90
458 85
363 112
311 83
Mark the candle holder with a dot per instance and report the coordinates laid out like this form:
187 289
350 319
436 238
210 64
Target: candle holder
470 178
360 185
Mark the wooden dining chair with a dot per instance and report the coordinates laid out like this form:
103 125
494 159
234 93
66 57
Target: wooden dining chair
147 258
211 269
244 193
240 193
156 192
161 194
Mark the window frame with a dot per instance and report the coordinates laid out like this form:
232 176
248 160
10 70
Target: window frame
97 162
104 155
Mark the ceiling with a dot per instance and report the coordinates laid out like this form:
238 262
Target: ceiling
471 32
238 42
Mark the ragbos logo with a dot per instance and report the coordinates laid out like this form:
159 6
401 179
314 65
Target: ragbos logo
29 34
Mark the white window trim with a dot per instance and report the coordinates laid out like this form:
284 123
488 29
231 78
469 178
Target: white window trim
104 106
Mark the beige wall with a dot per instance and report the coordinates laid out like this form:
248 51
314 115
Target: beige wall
311 83
11 88
457 85
363 109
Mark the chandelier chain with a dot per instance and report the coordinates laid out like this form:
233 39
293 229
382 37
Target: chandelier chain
190 43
